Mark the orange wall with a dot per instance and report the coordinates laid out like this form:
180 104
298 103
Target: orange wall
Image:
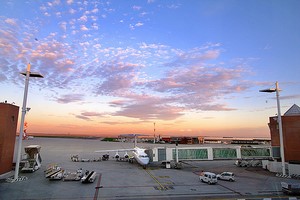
8 127
291 136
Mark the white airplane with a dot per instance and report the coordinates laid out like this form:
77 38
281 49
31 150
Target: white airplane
138 153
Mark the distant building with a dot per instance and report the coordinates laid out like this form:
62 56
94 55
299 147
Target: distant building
215 140
291 135
233 140
166 139
8 126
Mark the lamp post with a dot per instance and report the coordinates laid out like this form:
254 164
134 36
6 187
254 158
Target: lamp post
24 109
279 124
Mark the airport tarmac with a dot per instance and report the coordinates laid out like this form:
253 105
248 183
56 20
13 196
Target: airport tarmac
122 180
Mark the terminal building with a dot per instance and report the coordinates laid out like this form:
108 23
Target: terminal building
8 127
215 140
291 141
291 134
244 148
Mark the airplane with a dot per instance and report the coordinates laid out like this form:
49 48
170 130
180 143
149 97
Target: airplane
138 153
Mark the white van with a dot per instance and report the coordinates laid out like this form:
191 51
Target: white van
208 177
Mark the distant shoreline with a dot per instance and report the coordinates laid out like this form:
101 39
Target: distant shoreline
67 136
54 135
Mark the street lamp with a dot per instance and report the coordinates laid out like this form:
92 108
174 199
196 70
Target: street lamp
279 124
24 109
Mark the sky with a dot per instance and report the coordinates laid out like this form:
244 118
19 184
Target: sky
182 67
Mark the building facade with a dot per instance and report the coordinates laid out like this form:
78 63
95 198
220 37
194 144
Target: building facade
8 127
291 135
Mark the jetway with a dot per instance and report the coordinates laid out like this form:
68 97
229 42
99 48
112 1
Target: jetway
210 153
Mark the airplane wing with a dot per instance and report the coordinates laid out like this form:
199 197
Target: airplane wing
117 156
114 150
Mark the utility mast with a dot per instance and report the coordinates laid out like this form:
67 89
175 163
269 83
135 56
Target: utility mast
154 132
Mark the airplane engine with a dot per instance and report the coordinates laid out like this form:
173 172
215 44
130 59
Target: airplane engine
126 155
105 157
117 156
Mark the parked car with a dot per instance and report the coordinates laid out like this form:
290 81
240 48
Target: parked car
208 177
227 176
290 188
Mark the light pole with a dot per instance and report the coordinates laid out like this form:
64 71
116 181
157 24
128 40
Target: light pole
279 124
24 109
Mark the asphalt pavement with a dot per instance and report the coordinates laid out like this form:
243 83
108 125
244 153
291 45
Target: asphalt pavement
122 180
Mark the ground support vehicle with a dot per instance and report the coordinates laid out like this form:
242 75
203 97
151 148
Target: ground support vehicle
290 188
208 177
227 176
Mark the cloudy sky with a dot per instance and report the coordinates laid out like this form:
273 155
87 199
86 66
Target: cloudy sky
111 67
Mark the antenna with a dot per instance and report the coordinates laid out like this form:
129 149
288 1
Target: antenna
154 133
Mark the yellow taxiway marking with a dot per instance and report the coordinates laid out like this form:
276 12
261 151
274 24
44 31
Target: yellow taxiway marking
161 186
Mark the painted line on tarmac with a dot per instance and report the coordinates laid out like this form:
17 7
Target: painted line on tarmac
161 186
268 198
229 189
97 187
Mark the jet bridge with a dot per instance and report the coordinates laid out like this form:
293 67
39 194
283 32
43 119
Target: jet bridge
210 153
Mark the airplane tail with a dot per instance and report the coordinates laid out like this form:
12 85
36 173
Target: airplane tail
133 136
25 136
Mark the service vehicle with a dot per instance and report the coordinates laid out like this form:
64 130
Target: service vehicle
227 176
290 188
208 177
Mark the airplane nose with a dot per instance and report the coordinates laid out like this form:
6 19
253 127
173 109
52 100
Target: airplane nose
146 161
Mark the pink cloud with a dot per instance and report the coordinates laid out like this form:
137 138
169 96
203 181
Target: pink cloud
63 26
115 84
95 10
83 117
83 28
70 98
136 7
83 18
194 57
210 54
117 76
188 86
91 114
88 115
139 24
11 21
72 11
199 87
185 84
47 14
146 107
